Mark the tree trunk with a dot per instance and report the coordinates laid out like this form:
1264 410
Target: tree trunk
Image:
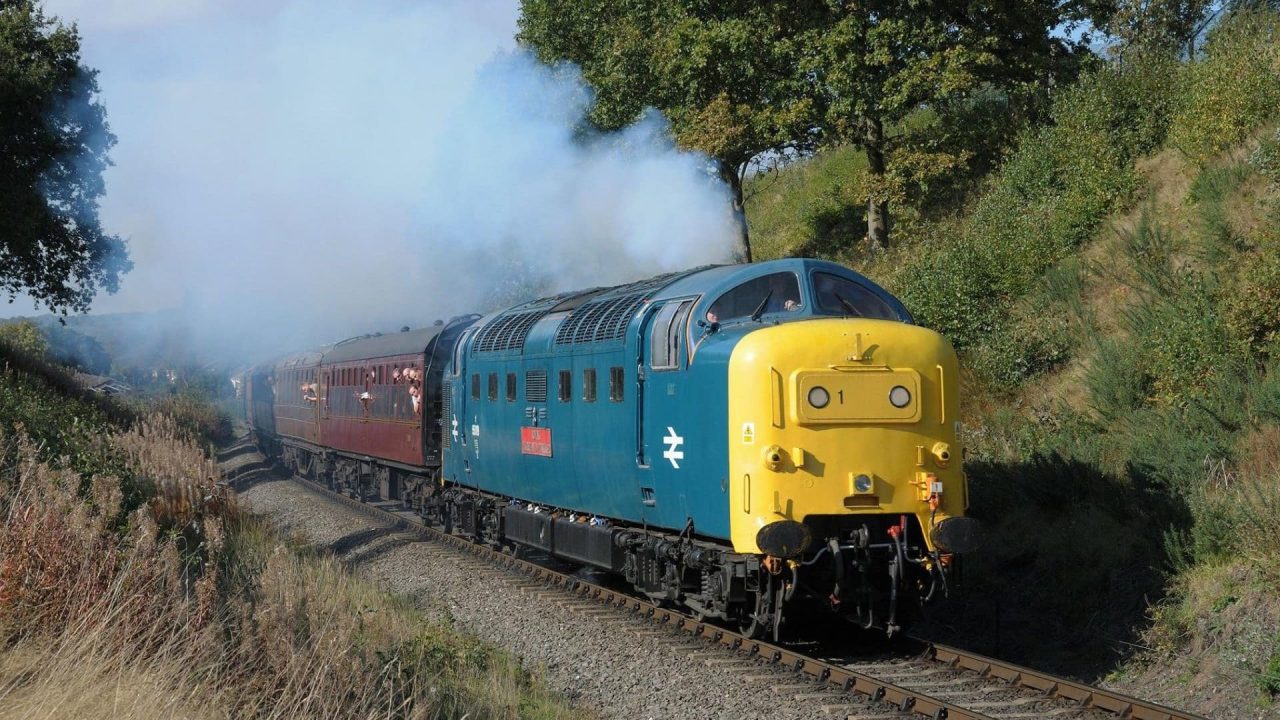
877 208
729 173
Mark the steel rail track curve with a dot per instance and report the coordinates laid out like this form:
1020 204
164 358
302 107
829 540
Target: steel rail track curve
1081 697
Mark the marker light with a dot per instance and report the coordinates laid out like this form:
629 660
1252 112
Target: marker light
862 483
819 397
899 396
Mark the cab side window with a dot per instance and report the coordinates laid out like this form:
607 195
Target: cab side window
664 337
776 293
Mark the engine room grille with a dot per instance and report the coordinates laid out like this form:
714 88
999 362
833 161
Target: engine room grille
601 320
607 318
507 332
446 414
535 386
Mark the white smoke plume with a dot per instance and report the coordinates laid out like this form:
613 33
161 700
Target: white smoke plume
294 173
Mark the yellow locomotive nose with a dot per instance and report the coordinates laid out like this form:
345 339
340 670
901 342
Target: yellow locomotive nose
835 420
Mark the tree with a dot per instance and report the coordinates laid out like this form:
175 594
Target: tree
1159 25
878 62
726 75
77 349
53 149
24 335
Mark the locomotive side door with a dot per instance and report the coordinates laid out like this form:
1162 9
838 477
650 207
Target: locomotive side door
661 447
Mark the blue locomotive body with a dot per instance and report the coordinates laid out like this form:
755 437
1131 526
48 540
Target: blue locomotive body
614 402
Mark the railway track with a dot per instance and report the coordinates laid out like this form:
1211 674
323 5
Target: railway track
922 680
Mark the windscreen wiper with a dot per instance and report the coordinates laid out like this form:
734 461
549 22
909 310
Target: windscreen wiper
848 305
755 316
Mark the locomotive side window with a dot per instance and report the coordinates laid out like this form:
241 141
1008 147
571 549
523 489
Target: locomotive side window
841 296
511 387
493 386
566 386
589 385
779 292
664 339
475 386
615 384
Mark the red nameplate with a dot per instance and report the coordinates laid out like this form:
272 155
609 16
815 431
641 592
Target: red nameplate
535 441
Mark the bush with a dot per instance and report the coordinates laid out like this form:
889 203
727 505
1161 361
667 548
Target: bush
1046 200
205 420
1266 158
1233 89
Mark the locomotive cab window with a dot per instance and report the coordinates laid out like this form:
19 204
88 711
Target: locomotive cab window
664 339
840 296
589 385
511 387
775 293
615 384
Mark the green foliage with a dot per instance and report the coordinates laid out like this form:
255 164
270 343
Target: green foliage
1253 307
24 336
1233 89
875 64
1037 340
1045 201
1266 158
55 139
1160 25
1268 681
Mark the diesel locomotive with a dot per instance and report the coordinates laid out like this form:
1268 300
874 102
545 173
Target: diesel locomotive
746 441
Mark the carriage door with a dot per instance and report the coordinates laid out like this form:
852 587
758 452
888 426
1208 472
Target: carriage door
326 381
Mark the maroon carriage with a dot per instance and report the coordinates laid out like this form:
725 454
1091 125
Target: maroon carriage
294 387
379 413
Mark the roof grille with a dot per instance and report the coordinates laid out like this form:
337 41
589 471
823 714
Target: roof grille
507 332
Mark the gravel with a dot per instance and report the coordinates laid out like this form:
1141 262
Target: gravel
616 666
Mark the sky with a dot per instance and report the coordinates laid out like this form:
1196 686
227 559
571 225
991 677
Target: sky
304 171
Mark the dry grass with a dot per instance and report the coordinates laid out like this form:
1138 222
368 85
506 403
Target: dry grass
185 608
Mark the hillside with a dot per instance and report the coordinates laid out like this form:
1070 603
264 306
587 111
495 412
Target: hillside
131 585
1114 289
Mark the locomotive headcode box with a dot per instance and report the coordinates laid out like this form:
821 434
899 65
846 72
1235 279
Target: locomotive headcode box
535 441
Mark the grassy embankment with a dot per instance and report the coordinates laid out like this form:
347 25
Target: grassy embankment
1114 288
132 586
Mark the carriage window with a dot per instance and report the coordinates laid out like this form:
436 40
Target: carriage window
493 386
566 386
841 296
615 384
664 339
779 292
475 386
589 385
511 387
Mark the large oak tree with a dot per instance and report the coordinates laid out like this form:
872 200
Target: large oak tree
877 62
53 150
741 80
